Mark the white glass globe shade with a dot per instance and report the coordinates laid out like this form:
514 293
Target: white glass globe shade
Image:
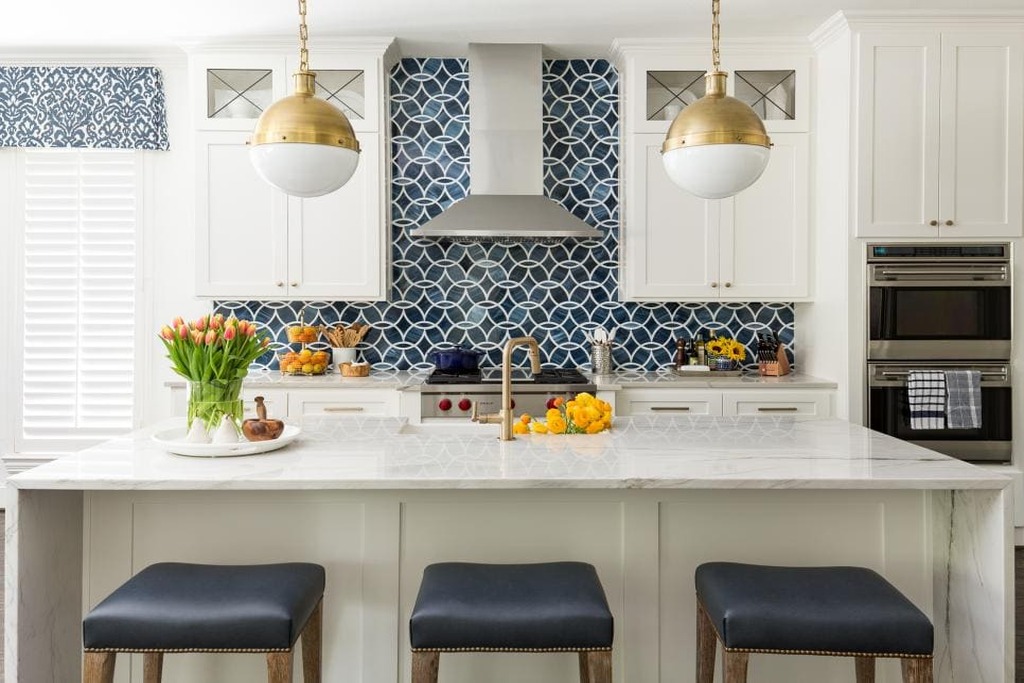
304 169
715 171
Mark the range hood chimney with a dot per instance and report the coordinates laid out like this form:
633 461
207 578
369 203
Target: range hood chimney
506 187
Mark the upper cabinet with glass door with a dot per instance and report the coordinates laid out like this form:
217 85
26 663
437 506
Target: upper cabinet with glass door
659 79
235 84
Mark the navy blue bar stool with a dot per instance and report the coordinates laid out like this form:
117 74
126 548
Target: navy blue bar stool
548 607
833 611
175 607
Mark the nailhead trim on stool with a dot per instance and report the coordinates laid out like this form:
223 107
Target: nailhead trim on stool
467 607
175 607
806 611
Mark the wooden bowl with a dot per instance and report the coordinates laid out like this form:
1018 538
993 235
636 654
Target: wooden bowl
352 370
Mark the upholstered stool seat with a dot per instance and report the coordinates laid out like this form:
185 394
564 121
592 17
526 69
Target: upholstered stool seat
548 607
844 611
175 607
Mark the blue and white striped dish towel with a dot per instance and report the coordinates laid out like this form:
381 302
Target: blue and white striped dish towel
926 391
963 399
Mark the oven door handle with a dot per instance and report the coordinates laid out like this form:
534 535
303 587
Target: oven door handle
890 378
951 276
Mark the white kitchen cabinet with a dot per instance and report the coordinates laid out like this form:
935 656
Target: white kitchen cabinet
633 402
777 402
939 133
753 246
378 402
253 241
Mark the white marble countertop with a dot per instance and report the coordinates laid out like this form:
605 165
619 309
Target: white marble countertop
668 452
667 379
385 379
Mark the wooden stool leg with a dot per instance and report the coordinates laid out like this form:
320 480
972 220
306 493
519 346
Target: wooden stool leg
98 667
917 669
599 666
584 668
152 667
734 664
425 666
865 670
279 667
707 643
312 646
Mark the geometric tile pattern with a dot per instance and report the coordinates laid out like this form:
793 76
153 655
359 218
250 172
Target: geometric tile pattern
480 294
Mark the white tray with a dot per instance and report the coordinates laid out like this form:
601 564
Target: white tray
173 440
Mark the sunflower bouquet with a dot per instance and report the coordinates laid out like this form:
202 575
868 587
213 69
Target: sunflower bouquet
584 414
724 352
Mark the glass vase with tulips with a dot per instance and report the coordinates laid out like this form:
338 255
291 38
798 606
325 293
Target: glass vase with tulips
213 353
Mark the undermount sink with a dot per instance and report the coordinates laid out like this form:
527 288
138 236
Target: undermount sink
444 429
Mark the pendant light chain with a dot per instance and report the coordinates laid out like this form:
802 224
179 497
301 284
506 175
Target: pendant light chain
715 31
303 35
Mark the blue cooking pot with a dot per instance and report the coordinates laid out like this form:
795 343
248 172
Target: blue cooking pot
455 358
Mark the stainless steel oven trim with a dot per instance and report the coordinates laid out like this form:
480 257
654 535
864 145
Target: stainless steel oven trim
933 275
1004 247
973 451
939 350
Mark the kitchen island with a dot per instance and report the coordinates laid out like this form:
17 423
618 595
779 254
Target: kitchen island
376 499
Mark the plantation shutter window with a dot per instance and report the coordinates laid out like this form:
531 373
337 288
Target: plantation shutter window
79 276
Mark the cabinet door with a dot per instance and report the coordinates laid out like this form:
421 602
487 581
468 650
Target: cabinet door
777 402
668 402
981 123
240 223
669 237
897 134
380 402
230 91
764 229
336 242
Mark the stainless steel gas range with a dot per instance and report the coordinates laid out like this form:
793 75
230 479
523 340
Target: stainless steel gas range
453 394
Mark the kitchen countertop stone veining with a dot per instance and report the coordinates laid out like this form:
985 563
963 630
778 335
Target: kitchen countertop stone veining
657 452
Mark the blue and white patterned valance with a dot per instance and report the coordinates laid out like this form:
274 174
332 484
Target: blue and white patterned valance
112 107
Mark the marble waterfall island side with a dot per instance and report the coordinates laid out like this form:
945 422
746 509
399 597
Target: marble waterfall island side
375 500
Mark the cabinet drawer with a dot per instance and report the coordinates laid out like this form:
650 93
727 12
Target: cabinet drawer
777 402
668 402
276 401
343 402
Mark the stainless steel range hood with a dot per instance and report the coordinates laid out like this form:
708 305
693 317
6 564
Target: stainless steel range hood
506 189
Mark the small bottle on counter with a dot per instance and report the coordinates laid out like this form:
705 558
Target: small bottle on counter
699 341
691 353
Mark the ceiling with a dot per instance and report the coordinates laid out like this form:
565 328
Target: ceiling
425 27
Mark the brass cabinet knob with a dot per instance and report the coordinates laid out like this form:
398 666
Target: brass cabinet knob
728 284
279 283
295 284
933 223
714 284
949 222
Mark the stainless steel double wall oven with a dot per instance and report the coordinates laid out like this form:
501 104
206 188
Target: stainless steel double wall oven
941 307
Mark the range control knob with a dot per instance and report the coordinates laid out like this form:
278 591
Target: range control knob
465 404
513 403
445 404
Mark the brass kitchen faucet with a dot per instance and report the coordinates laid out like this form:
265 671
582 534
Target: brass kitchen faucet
504 415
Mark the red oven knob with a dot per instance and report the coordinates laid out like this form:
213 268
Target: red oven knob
513 403
444 404
465 404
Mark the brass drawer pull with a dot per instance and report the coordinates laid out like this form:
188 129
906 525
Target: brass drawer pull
780 409
343 409
670 409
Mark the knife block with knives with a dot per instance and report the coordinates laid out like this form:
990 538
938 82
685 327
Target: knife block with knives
771 356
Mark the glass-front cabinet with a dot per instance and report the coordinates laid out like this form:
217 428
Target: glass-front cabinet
253 242
659 80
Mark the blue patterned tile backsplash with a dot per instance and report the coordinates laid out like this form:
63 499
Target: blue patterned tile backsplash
481 294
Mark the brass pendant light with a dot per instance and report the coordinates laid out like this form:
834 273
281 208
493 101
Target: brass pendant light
716 146
302 144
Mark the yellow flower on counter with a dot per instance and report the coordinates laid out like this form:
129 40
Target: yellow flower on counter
595 427
557 425
584 414
520 428
539 428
